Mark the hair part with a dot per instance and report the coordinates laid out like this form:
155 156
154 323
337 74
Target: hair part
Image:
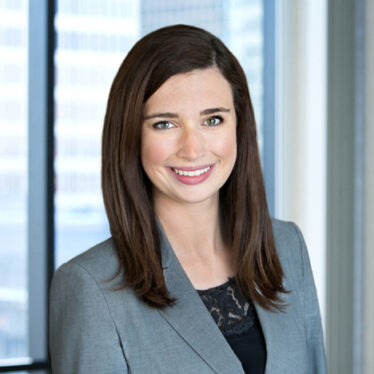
127 191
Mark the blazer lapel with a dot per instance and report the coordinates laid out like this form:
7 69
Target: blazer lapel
192 321
282 338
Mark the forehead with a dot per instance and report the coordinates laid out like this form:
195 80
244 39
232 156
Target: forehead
200 88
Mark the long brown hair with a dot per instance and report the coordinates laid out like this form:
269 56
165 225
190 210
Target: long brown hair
127 190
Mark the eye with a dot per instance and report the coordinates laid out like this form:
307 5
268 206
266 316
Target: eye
162 125
213 121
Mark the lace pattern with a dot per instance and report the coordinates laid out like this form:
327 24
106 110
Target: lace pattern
233 313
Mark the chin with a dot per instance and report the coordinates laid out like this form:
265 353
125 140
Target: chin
198 198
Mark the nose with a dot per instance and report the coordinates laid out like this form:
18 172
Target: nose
191 144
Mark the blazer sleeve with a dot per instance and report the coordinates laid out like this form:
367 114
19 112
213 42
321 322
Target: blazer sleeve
82 334
312 316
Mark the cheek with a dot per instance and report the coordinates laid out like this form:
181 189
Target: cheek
225 147
153 152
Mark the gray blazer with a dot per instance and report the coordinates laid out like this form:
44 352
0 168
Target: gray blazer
94 329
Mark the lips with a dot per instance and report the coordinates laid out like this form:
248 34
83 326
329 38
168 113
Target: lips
192 174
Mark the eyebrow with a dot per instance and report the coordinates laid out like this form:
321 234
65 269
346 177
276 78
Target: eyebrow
175 115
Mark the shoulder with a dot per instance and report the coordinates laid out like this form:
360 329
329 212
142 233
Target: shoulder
86 284
301 300
285 232
92 271
291 248
100 261
102 256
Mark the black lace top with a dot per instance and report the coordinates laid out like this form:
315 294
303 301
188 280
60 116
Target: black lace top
236 317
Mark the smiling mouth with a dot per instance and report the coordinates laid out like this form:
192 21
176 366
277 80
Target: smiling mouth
192 173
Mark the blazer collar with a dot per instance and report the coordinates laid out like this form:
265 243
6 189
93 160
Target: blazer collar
190 318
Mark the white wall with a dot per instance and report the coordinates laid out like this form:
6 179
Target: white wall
301 55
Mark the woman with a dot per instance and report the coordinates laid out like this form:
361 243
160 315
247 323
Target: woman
196 278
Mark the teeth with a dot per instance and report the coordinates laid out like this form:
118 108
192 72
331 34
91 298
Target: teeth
192 173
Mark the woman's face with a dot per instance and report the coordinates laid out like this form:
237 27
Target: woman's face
188 142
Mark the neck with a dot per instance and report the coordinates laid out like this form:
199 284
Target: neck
192 229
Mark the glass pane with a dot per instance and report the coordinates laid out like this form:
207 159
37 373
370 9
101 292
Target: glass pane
13 178
93 38
246 41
